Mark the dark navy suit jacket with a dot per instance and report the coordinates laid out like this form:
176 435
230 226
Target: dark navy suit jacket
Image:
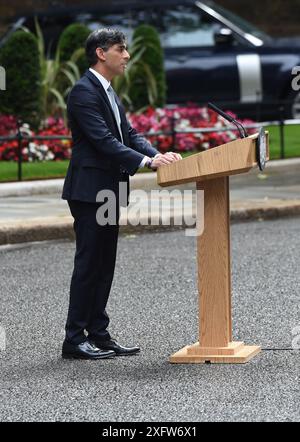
99 159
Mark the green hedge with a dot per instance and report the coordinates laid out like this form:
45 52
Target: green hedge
154 58
20 58
72 38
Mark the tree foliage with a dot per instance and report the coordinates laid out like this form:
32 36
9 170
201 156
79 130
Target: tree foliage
20 58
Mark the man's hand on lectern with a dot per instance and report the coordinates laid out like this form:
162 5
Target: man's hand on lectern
175 155
166 158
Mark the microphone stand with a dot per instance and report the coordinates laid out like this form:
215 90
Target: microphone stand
239 126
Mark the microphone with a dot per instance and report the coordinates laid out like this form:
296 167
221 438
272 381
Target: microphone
240 127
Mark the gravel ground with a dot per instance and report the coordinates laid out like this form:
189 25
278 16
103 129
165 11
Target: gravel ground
154 304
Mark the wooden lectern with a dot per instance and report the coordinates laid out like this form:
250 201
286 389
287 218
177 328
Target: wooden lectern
210 170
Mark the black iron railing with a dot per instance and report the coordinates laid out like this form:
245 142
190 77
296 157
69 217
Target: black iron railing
20 137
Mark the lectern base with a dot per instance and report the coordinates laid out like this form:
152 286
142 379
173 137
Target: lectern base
234 353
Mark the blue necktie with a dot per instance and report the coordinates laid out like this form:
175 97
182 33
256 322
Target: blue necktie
115 109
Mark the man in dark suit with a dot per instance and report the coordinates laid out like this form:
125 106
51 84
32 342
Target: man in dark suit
106 150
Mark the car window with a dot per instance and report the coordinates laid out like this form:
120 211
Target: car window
185 27
178 26
242 23
125 21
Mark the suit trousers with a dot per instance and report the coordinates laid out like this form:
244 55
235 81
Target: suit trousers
94 265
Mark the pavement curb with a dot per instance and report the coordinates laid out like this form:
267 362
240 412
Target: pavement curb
54 229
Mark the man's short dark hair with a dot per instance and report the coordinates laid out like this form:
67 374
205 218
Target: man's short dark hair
102 38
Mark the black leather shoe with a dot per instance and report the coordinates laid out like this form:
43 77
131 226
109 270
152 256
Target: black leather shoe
117 348
85 350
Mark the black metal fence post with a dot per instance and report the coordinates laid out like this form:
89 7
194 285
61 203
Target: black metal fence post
20 157
281 132
173 131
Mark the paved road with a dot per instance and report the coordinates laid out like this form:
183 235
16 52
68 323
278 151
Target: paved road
153 303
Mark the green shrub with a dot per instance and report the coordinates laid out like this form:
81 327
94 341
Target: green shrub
73 38
20 58
151 58
136 68
57 79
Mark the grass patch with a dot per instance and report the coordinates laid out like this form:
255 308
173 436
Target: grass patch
33 171
291 141
57 169
42 170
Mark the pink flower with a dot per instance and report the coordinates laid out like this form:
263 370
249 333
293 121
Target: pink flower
188 117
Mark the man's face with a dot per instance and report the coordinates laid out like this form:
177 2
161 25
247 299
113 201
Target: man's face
116 59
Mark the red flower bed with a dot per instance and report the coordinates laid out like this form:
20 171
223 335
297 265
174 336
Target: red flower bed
35 150
8 125
184 118
151 121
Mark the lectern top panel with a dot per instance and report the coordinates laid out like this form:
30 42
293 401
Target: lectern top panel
232 158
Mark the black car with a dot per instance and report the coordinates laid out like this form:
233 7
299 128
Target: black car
211 54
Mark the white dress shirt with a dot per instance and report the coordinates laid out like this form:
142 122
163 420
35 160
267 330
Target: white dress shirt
105 83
